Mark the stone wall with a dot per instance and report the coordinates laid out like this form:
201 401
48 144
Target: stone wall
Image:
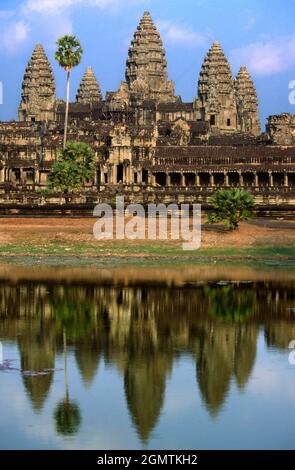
281 129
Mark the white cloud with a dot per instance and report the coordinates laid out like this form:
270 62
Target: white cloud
267 56
249 23
49 19
48 6
54 6
248 19
15 35
179 34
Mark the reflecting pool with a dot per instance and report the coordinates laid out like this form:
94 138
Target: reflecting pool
135 363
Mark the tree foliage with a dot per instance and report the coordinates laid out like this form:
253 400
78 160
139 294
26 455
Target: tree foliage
69 52
67 418
73 312
230 304
231 206
74 165
68 55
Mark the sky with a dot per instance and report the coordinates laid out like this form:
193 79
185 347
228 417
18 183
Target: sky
257 33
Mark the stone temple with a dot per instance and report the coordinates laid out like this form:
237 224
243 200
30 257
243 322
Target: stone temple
150 145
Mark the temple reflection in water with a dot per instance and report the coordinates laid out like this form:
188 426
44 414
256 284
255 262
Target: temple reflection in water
142 331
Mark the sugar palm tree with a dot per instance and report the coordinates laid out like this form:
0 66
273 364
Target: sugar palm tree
231 206
67 413
68 55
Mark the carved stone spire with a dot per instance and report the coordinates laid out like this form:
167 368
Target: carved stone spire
38 89
146 71
89 89
216 93
247 103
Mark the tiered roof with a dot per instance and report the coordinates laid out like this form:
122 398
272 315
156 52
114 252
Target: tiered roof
89 90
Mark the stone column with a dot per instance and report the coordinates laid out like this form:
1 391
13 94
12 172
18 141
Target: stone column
197 180
110 175
150 178
286 180
102 181
270 176
37 177
114 174
168 179
2 175
212 180
131 174
127 174
12 177
256 182
139 176
183 179
22 179
226 179
241 178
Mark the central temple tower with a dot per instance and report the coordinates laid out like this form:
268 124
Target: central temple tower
146 69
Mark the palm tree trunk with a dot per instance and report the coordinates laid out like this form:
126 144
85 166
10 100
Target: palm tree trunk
66 364
1 354
67 108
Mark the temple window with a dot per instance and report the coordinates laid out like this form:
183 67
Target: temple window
119 173
161 179
175 179
145 176
233 179
278 179
219 179
30 176
17 175
263 179
249 179
190 179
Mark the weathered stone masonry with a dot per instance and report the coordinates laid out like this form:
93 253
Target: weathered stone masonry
150 145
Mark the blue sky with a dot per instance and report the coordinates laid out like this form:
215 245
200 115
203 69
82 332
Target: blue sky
258 33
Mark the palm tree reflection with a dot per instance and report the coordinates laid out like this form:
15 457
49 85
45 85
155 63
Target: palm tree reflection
73 315
67 414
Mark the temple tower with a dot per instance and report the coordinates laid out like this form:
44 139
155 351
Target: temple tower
146 70
216 93
89 89
38 89
247 103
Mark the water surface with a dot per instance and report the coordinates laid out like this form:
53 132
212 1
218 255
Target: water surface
118 360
